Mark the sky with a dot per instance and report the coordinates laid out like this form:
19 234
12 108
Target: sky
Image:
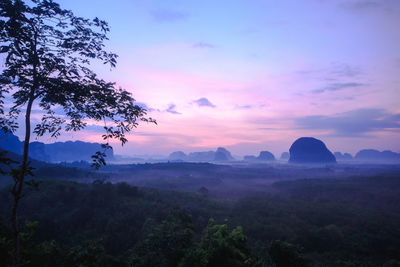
253 75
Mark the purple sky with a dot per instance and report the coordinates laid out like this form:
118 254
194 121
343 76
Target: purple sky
253 75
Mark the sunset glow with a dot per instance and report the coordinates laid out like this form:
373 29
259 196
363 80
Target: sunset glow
254 75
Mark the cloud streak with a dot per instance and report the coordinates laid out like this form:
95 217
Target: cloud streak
344 70
203 45
336 70
171 109
243 106
204 102
146 107
165 16
386 6
364 4
355 123
337 87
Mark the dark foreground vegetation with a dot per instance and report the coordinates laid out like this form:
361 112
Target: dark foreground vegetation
303 222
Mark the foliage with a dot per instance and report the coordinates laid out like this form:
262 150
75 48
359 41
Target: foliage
392 263
131 224
48 54
166 243
219 247
285 255
48 51
89 254
46 253
5 162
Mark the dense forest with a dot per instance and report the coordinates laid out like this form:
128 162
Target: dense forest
301 222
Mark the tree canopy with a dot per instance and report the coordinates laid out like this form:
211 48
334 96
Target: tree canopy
47 56
48 52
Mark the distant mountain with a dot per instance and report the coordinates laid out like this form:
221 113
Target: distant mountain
37 150
345 156
74 151
201 156
177 155
285 156
375 155
266 156
310 150
56 152
221 154
10 142
263 156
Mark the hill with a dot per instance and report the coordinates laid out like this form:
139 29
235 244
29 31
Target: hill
55 152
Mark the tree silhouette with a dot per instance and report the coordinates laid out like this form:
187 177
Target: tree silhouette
47 52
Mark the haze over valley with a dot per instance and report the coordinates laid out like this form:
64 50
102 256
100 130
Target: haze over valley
207 133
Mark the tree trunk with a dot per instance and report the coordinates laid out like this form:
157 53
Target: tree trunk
18 184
